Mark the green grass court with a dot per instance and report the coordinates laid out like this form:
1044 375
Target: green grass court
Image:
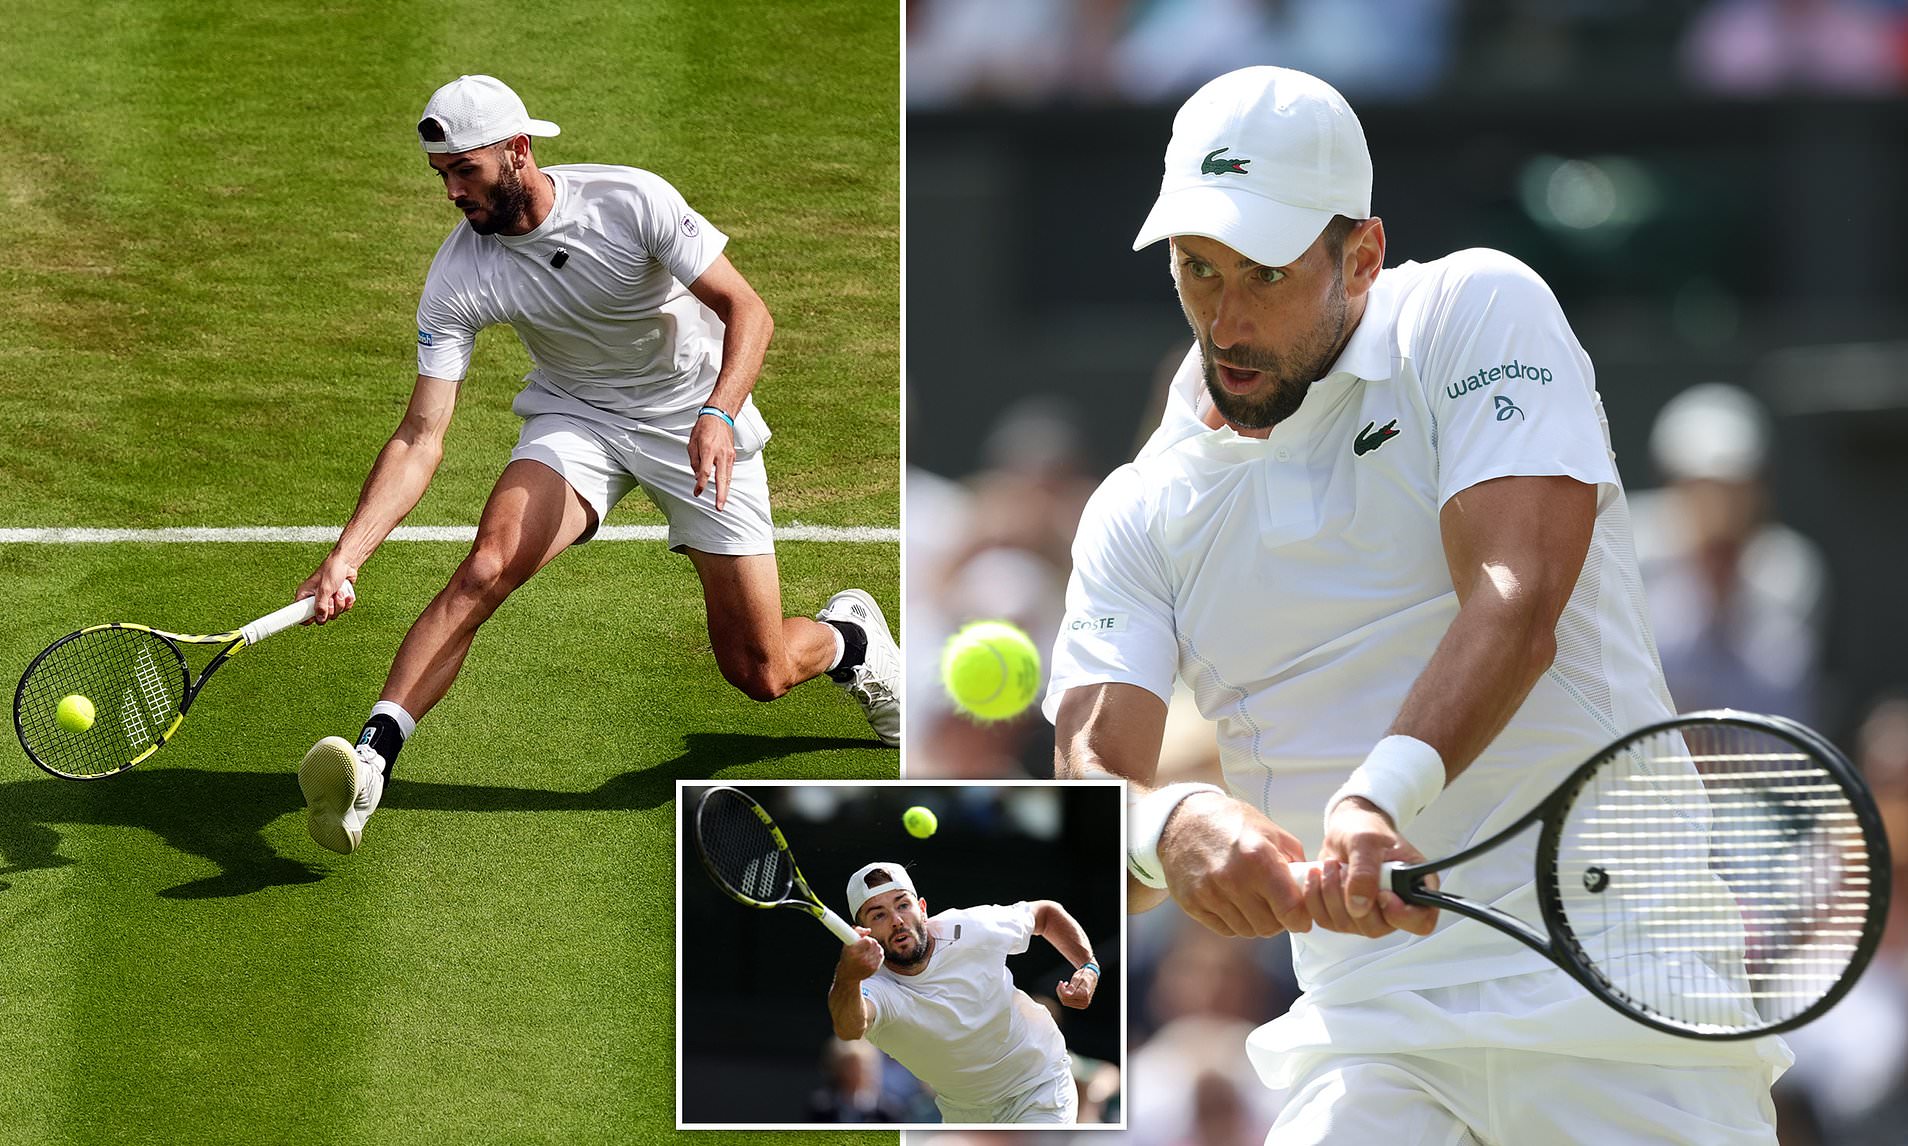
217 222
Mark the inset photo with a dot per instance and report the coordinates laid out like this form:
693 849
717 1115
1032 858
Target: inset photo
907 954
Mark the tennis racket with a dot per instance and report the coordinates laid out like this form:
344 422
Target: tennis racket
745 853
1717 876
139 686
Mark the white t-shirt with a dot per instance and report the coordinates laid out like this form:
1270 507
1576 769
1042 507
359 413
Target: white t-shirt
961 1026
615 328
1299 585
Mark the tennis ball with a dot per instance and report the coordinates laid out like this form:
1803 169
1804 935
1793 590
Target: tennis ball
75 713
991 670
920 822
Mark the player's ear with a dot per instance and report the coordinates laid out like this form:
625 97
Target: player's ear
1364 255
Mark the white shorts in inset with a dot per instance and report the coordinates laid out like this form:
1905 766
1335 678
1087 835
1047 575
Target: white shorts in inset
1516 1097
603 463
1055 1100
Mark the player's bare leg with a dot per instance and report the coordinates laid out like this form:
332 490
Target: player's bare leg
532 515
758 650
765 654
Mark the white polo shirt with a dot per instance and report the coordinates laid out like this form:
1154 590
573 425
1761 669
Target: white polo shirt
1299 585
961 1026
614 331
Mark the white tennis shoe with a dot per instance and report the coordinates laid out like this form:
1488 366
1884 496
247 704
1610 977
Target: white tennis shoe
876 684
342 785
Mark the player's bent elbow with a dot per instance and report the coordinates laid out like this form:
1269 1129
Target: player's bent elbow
416 453
1537 643
1543 651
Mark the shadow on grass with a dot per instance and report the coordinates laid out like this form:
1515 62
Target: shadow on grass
221 816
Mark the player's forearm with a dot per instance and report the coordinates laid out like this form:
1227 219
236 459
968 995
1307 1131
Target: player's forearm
1052 923
1487 663
846 1008
1112 731
1109 731
745 339
396 484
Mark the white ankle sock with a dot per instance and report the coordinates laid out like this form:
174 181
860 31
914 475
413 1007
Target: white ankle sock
406 723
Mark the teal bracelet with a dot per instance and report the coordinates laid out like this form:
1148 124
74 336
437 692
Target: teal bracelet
1090 965
718 412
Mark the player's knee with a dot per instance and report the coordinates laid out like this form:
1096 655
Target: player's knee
756 677
484 578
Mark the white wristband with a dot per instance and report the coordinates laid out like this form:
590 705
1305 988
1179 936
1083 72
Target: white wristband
1146 822
1402 775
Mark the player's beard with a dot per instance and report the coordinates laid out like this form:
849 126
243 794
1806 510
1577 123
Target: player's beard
506 207
919 951
1291 373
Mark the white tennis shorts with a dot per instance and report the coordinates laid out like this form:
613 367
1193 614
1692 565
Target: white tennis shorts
1054 1100
603 463
1513 1097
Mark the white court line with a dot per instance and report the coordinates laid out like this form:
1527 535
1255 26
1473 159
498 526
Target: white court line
328 534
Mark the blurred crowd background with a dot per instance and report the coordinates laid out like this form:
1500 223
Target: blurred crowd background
756 1043
1713 188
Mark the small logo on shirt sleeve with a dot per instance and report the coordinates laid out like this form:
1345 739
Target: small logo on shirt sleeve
1111 623
1514 369
689 227
424 337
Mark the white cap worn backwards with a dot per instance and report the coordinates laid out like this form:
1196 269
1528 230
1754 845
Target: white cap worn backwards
1261 159
859 891
476 111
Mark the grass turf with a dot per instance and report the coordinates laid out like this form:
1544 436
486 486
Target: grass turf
218 223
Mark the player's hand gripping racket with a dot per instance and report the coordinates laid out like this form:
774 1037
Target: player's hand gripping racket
746 855
136 685
1718 876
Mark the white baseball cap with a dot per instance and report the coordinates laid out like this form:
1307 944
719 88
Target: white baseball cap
1261 159
475 111
859 892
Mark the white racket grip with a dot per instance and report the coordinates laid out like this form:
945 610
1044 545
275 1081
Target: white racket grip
839 926
296 613
1301 867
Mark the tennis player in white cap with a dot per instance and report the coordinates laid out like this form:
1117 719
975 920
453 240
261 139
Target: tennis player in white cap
935 994
646 344
1381 536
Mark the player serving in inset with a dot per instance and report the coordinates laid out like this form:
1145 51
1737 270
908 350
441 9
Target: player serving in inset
646 344
935 994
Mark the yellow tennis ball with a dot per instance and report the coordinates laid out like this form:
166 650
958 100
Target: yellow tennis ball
920 822
75 713
991 670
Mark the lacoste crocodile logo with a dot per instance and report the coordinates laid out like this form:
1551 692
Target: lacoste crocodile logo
1370 438
1217 166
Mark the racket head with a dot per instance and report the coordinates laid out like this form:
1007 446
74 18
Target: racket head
742 849
1721 875
139 684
